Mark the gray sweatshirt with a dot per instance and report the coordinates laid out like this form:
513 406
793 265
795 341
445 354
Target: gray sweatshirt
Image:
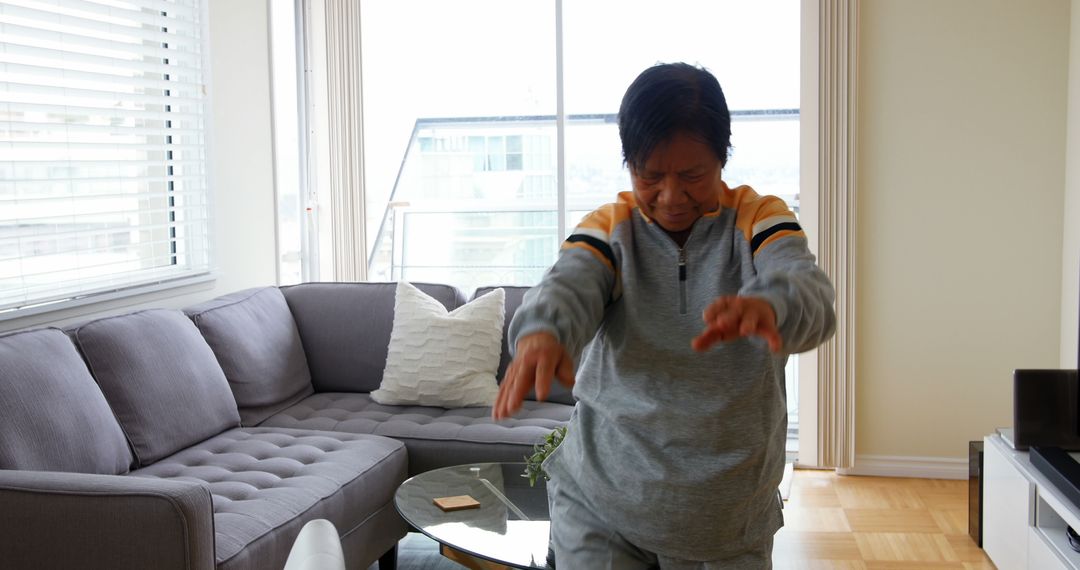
679 451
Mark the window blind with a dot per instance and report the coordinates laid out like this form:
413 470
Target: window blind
103 175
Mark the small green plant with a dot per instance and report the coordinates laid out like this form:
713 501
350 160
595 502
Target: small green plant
533 463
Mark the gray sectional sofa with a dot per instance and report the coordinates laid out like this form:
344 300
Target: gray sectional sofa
206 438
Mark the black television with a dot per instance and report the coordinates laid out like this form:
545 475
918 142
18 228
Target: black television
1054 461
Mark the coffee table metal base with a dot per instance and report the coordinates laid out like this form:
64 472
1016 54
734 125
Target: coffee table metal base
469 561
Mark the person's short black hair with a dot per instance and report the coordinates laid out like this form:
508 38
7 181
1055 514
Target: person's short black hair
668 98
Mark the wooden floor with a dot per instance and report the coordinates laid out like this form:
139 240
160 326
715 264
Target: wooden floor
846 522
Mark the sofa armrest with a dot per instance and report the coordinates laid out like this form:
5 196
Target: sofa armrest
74 520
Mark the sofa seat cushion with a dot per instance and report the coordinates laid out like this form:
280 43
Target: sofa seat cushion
53 416
267 483
435 437
254 337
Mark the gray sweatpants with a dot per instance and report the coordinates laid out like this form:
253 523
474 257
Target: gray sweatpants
582 541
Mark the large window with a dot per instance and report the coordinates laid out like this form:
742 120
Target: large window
486 139
459 168
103 181
461 122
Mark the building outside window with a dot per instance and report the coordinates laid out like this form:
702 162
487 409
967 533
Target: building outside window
472 208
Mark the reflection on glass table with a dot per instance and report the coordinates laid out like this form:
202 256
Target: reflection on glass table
508 530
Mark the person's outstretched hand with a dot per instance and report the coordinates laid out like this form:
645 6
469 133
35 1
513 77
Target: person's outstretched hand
539 357
732 317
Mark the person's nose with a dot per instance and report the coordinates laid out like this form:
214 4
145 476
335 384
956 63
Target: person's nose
671 191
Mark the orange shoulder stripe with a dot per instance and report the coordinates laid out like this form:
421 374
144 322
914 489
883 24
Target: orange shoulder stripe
763 219
593 233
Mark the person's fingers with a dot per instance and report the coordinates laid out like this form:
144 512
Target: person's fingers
498 411
543 386
565 371
721 323
718 306
748 325
768 331
545 369
773 338
515 386
707 338
765 323
729 318
523 382
539 358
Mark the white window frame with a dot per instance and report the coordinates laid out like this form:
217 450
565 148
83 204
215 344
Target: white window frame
826 427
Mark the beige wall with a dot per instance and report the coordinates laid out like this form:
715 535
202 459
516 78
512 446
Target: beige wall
961 189
240 164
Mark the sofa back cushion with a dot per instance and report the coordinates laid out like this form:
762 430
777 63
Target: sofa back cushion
161 379
345 329
53 417
254 337
514 295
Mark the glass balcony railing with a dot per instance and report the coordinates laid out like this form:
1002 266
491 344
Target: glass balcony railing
475 202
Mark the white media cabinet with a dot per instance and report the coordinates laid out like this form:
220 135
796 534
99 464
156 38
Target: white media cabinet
1024 515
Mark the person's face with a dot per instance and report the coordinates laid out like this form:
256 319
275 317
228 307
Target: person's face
679 182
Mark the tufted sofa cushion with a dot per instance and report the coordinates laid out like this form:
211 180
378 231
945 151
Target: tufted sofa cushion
161 379
345 329
53 416
435 437
254 337
267 483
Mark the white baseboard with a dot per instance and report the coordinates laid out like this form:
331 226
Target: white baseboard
904 466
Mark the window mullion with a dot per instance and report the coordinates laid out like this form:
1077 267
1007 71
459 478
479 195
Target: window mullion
560 126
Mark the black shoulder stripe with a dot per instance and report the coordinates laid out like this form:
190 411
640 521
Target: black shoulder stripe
600 246
767 233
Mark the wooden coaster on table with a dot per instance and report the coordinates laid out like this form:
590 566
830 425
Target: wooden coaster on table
457 503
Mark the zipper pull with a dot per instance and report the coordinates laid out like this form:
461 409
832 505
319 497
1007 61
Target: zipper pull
682 280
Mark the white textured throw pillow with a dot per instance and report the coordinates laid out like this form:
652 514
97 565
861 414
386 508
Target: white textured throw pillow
442 359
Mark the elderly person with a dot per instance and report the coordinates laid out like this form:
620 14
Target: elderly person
681 301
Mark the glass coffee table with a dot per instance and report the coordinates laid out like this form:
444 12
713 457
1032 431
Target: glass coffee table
508 530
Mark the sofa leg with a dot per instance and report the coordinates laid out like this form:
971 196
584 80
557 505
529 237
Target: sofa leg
388 561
